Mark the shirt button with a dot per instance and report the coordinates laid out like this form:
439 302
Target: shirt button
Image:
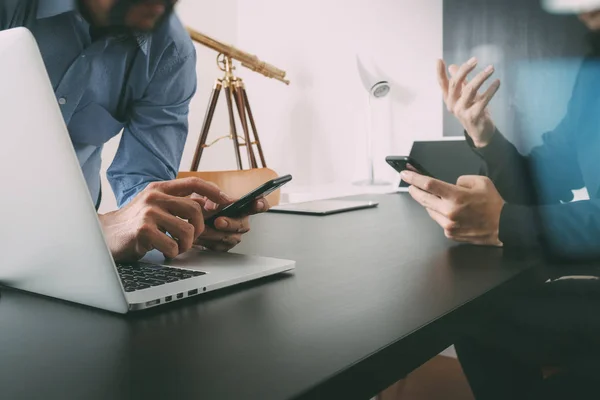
62 101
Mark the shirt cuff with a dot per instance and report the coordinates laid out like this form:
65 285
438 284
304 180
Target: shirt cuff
495 152
519 226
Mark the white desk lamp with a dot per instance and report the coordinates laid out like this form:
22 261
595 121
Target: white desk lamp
378 88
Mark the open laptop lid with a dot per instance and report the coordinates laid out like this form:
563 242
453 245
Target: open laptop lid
52 242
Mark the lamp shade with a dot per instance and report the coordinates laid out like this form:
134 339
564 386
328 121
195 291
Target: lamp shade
373 81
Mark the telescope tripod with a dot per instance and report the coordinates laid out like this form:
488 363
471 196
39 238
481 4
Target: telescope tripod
235 92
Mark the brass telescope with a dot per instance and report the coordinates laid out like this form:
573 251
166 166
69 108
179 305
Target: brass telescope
235 93
247 60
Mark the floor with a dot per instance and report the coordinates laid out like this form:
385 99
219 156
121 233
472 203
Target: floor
440 378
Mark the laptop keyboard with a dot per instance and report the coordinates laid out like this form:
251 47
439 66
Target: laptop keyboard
139 276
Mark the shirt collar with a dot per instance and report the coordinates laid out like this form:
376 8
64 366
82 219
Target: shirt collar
143 41
51 8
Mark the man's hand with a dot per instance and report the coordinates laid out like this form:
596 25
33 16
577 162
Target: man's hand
227 232
463 99
160 217
468 211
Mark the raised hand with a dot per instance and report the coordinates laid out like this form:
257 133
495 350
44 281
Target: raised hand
465 102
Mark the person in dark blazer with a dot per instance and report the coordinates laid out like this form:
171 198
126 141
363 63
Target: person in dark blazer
509 346
522 201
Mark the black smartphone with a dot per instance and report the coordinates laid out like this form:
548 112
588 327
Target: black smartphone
236 209
402 163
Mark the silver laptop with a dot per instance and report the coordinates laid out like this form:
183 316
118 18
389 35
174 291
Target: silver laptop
50 237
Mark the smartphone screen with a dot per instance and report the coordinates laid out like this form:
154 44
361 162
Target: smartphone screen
242 205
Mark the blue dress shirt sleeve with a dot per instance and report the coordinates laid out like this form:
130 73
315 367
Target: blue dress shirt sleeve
15 13
154 137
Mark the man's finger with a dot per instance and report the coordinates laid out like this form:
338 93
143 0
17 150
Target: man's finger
187 186
189 209
442 220
454 230
442 78
478 240
453 69
211 205
214 236
260 206
427 184
178 229
486 97
155 239
238 225
471 90
458 79
199 199
468 235
426 199
468 181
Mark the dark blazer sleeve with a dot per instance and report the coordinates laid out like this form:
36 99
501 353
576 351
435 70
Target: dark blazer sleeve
536 187
16 13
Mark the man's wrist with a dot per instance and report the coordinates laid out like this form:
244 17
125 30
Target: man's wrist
495 149
105 218
485 140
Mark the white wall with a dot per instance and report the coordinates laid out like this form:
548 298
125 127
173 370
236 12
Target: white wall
314 129
216 19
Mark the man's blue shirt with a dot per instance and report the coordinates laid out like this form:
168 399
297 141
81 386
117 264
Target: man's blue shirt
142 86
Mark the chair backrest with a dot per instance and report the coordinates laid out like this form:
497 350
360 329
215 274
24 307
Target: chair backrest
238 183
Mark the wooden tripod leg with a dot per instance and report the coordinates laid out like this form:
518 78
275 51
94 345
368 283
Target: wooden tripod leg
241 106
236 143
256 139
210 112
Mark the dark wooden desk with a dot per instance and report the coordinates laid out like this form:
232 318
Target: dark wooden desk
374 295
